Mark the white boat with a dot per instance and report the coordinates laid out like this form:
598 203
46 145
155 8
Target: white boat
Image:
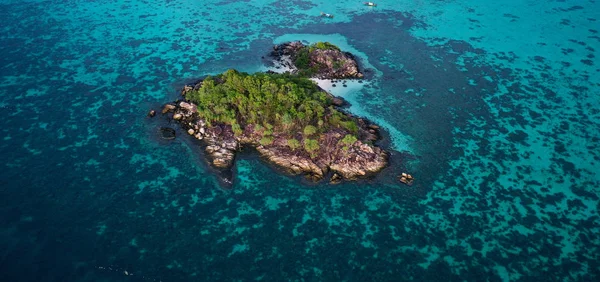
326 15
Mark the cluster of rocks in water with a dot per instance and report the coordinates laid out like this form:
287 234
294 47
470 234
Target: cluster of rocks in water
406 178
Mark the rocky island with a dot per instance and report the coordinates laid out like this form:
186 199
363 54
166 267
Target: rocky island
320 60
287 118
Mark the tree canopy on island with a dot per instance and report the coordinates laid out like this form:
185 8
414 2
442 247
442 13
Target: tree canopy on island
277 103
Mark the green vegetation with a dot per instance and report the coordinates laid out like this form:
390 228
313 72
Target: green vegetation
293 144
266 100
340 120
309 130
276 105
311 146
302 60
236 128
323 46
337 65
348 140
267 140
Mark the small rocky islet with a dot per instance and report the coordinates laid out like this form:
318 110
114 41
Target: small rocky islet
286 117
321 60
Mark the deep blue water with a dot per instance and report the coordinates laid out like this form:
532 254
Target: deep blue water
492 106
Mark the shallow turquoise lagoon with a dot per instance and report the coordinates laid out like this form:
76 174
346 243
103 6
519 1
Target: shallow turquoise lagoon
494 107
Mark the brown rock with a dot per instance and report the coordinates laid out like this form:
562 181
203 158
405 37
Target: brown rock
221 157
338 101
406 179
186 89
220 163
188 107
168 108
335 178
361 160
291 162
212 148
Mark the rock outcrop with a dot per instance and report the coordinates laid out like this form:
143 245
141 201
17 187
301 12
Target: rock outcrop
319 63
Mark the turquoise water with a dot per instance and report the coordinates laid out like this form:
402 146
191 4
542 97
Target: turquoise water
492 106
